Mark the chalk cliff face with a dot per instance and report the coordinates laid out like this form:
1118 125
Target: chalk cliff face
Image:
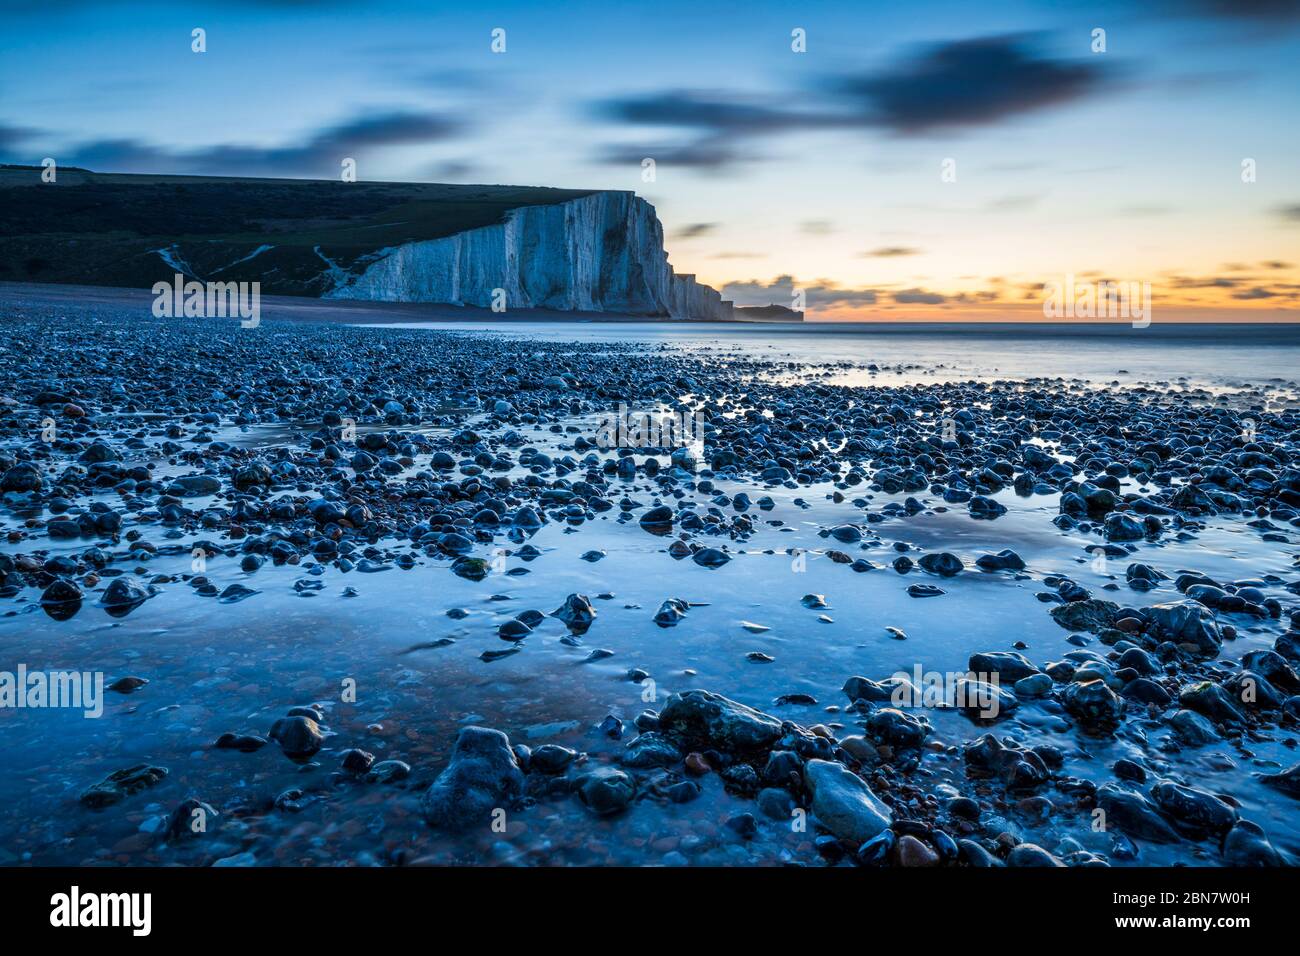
602 252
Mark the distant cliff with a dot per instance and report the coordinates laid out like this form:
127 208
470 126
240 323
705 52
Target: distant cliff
603 252
564 249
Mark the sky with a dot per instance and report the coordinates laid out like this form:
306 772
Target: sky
889 161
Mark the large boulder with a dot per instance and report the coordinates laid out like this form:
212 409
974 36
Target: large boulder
1195 812
1122 527
1187 622
1247 845
1288 781
1019 768
194 486
1008 665
651 749
896 728
844 803
299 737
1133 814
605 791
1090 615
943 563
700 720
1212 701
21 477
576 612
1096 706
483 775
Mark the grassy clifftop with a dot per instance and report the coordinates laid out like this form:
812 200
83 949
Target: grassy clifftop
292 235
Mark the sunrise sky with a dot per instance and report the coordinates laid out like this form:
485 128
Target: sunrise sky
774 169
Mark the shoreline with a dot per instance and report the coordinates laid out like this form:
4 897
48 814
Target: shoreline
378 314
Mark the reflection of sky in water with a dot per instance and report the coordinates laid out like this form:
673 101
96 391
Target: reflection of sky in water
1211 357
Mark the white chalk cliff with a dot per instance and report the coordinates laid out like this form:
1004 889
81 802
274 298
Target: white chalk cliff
603 252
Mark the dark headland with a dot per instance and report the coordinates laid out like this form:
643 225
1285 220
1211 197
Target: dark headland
503 247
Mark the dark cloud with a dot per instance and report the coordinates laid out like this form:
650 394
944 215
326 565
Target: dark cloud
1256 10
918 297
891 252
818 295
11 136
962 83
1275 264
718 120
121 155
704 154
1245 287
320 154
694 230
390 129
970 82
1203 282
710 111
458 170
966 82
1290 212
977 298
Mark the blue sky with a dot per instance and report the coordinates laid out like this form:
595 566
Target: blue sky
775 170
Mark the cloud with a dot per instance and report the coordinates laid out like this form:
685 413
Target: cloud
711 111
918 297
890 252
819 295
718 121
1244 288
1256 10
454 169
1290 212
694 230
962 83
704 154
968 83
321 154
11 136
1202 282
388 129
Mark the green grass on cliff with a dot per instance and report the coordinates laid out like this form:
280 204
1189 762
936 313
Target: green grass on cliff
103 229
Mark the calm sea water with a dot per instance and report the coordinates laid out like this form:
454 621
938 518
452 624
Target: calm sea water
1213 356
